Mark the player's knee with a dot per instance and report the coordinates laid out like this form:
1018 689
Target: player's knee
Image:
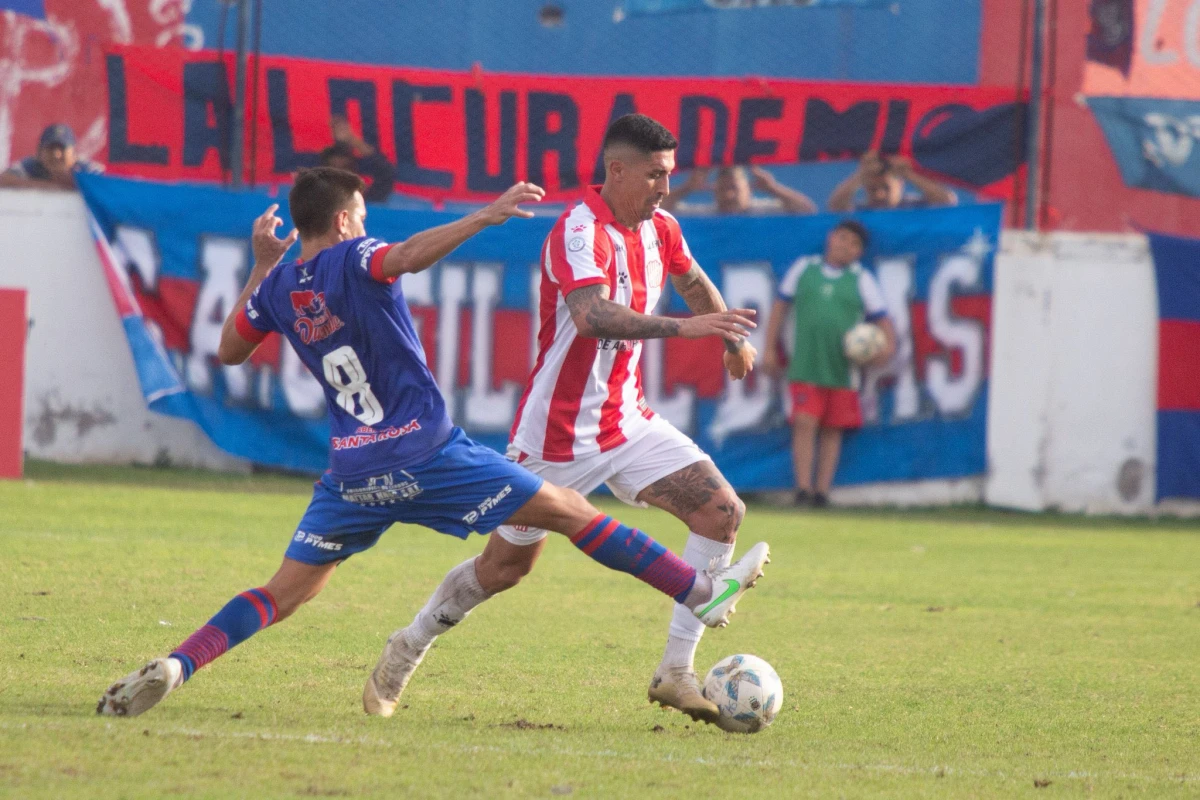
572 510
722 517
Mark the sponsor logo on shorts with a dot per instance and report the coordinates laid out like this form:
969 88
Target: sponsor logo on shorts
318 541
382 490
487 505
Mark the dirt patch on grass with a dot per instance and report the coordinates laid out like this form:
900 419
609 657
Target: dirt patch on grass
526 725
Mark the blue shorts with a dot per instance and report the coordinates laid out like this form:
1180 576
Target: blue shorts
464 488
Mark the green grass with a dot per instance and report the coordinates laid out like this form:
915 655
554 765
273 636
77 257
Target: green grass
963 654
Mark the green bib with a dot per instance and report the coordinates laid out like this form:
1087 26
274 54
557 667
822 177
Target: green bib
825 309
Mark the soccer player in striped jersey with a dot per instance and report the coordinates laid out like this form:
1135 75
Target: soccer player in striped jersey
583 419
395 456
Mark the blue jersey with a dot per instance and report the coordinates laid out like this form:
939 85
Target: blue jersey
351 327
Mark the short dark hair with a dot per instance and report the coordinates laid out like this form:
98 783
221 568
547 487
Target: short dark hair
642 132
318 195
857 228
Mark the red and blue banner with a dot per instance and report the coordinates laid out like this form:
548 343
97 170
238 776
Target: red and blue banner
184 253
1177 272
468 135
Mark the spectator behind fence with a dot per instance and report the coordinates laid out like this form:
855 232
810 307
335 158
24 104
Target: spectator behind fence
350 152
884 182
732 194
830 295
54 166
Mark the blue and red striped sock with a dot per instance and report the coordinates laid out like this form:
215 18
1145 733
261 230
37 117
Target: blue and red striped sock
629 550
241 618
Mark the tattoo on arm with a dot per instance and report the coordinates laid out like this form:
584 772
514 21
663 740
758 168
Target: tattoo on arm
598 317
698 291
701 296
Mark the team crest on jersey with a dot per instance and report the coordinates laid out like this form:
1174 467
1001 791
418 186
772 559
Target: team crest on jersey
654 273
314 322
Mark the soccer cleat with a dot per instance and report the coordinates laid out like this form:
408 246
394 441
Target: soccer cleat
730 583
396 666
679 688
141 690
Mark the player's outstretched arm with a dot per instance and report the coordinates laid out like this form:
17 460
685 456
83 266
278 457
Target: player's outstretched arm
702 297
597 317
269 250
422 250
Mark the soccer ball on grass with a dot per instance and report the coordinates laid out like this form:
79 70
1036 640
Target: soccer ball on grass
747 692
863 342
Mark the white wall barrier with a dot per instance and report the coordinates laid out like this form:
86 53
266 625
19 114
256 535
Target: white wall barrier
82 400
1071 414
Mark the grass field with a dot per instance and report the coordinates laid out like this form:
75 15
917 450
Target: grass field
953 654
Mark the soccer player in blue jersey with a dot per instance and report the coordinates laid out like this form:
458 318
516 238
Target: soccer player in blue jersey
395 456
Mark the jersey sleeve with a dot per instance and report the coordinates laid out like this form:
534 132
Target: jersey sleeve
871 293
791 280
253 321
366 257
676 251
575 258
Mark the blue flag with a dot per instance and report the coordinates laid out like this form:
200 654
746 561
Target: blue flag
1154 141
30 8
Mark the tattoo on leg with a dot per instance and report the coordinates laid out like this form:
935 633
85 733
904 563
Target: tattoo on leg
690 489
736 511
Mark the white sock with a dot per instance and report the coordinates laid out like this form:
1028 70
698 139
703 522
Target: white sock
685 630
175 673
458 593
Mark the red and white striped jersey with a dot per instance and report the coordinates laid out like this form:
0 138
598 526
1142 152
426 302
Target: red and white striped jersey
584 396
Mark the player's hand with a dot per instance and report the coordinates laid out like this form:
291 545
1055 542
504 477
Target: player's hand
508 204
870 163
268 248
697 180
741 363
340 126
900 165
772 363
732 326
763 180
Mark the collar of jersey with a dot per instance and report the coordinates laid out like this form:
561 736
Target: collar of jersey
604 214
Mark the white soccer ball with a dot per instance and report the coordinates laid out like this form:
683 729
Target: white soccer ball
747 692
863 342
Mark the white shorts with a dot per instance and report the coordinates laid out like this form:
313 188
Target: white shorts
628 469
